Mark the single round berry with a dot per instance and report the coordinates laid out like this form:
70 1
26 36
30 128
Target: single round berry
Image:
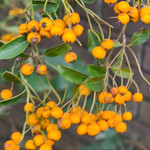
99 52
45 147
124 7
46 24
45 34
83 90
107 44
82 129
34 37
123 18
23 29
30 145
41 69
121 127
29 107
78 29
138 97
70 57
54 134
33 26
57 112
56 30
39 139
27 69
6 94
127 116
59 22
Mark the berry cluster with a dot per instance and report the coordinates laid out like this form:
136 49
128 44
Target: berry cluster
99 52
68 28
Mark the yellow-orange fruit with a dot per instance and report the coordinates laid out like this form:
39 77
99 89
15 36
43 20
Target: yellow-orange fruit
27 69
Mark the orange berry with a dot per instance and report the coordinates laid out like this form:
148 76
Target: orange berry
39 111
145 18
114 91
119 99
65 123
32 120
17 147
39 139
33 37
46 24
54 134
138 97
30 145
122 89
75 118
70 57
101 97
57 112
93 129
83 90
29 107
6 94
82 129
99 52
110 1
50 104
78 29
116 10
16 137
124 7
9 145
107 44
51 126
69 36
127 116
41 69
103 125
27 69
36 129
128 96
56 30
111 122
59 22
23 29
123 18
45 34
85 119
134 13
135 20
45 147
46 114
108 98
50 142
121 127
144 11
118 118
76 109
44 123
33 26
107 114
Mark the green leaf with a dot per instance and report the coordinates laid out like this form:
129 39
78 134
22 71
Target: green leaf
96 71
123 72
139 37
89 1
93 40
2 43
9 76
11 100
116 44
50 7
58 50
71 75
14 48
95 84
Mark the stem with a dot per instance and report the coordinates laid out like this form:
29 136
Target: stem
94 100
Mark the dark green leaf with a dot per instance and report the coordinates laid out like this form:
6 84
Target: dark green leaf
93 40
9 76
1 43
71 75
14 48
58 50
139 37
50 7
116 44
89 1
96 71
11 100
23 55
95 84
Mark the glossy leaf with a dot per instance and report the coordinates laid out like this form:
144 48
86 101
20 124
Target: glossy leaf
58 50
96 71
50 8
9 76
14 48
71 75
95 84
139 37
12 100
93 40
